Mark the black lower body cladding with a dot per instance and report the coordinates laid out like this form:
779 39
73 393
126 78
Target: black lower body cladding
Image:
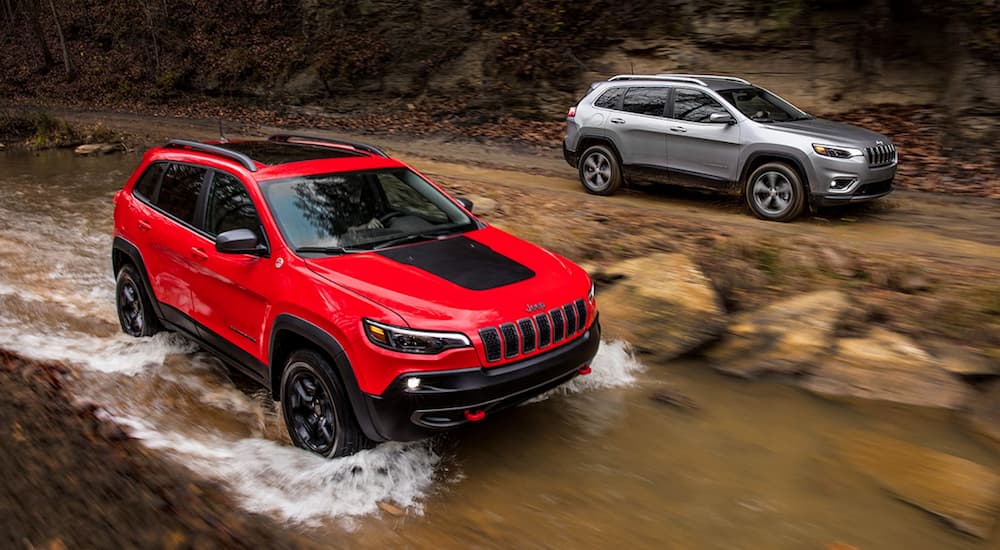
443 398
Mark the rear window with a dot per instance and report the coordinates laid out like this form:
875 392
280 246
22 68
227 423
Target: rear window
646 101
179 191
146 187
610 99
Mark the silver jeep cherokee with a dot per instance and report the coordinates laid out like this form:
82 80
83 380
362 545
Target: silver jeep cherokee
723 133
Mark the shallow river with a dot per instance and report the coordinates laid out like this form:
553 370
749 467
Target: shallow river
596 464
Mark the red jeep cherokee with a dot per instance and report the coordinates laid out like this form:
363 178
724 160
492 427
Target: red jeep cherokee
372 305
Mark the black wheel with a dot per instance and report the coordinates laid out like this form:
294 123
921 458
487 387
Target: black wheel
317 413
135 311
775 192
600 172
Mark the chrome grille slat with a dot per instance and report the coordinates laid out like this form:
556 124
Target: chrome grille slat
881 155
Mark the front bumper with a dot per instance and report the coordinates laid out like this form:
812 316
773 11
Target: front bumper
443 397
864 192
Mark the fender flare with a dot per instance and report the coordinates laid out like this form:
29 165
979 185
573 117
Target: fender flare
332 348
132 252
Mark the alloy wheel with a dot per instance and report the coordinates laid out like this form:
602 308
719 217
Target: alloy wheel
311 411
130 308
597 171
773 193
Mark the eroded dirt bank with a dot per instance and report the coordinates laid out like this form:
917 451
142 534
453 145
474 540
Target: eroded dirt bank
69 479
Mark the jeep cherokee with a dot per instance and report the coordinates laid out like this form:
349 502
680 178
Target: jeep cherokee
723 133
370 303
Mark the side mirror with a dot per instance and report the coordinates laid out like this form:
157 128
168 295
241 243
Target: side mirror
721 118
240 241
466 203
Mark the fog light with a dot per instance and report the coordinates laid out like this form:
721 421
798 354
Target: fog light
412 384
840 184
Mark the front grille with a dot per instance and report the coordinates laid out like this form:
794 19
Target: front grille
544 330
491 341
529 334
883 154
509 340
570 312
558 325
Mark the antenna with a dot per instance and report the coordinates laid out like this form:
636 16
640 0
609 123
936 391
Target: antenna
222 135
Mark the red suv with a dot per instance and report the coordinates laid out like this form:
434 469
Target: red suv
370 303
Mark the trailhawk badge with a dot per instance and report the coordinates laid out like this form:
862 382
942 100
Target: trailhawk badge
531 308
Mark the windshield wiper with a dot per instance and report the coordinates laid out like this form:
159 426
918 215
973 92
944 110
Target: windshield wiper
326 250
423 236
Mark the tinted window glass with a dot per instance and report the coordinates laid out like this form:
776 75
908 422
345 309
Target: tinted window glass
146 187
610 99
646 101
360 209
179 191
229 206
694 106
762 106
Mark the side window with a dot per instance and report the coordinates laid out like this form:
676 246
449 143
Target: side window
695 106
146 186
646 101
179 191
610 99
229 206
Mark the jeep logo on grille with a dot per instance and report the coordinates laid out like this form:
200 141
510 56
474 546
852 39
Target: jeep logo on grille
531 308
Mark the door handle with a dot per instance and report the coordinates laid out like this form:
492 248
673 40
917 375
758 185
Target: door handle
618 121
199 253
678 129
144 225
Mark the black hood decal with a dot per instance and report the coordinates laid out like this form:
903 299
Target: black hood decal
462 261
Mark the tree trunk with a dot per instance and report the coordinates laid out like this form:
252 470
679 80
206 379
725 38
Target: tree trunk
36 29
70 73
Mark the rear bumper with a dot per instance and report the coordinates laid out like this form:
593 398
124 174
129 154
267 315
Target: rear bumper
864 192
443 397
570 156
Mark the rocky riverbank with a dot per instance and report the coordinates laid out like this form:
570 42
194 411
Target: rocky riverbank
72 479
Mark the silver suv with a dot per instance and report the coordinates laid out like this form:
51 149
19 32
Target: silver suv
723 133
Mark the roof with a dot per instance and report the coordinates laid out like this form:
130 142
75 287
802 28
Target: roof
286 155
713 82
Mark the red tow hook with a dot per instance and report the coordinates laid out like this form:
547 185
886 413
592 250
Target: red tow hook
474 416
585 369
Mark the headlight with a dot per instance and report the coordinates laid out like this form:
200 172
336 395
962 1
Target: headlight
591 294
413 341
837 152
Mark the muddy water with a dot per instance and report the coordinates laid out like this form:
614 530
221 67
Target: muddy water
593 465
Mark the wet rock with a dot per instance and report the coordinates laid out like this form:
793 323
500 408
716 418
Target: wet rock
963 493
964 361
674 398
2 146
390 508
886 366
96 149
662 304
786 337
482 206
984 414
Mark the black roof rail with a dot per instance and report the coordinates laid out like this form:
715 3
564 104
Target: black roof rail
290 138
246 161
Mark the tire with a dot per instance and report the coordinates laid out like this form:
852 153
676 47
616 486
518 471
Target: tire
775 192
600 171
135 310
317 413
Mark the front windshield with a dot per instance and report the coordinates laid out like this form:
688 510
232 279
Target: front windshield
763 106
349 211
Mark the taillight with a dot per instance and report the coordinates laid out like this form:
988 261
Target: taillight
571 113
